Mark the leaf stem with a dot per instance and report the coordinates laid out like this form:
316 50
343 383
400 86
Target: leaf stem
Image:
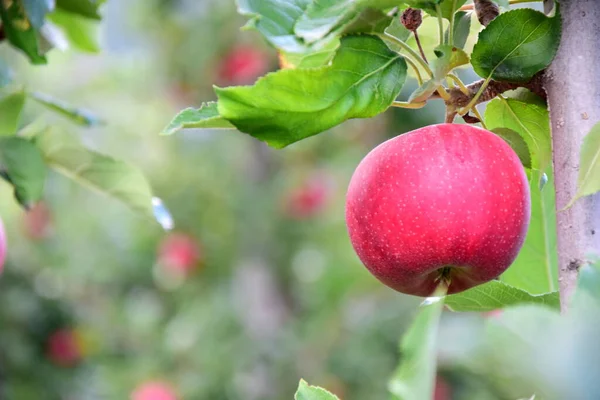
416 69
459 83
408 49
438 10
479 117
419 46
451 26
475 98
404 104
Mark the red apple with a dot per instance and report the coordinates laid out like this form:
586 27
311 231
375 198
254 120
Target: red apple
37 221
243 65
179 253
64 348
154 390
2 246
308 199
442 202
442 390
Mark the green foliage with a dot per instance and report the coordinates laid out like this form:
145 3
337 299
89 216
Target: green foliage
589 166
414 379
516 45
307 392
22 165
276 21
524 350
80 31
447 7
535 269
85 8
75 114
11 107
517 143
207 116
20 31
289 105
461 29
495 295
96 171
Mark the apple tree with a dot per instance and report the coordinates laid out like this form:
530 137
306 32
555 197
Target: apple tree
538 83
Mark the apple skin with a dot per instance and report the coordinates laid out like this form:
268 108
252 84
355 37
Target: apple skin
446 199
307 200
179 253
243 65
64 348
2 246
154 390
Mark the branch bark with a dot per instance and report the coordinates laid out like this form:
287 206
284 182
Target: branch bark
573 86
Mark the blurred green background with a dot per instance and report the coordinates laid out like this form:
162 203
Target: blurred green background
256 287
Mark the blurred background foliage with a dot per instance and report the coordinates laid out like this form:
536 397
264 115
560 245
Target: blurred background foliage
257 285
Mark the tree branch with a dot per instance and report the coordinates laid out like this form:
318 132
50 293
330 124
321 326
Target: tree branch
459 99
573 83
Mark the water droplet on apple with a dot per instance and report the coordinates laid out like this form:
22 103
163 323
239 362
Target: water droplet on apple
543 180
162 214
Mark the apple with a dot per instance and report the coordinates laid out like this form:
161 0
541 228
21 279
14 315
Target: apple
179 252
64 348
444 202
154 390
243 65
308 199
442 390
2 246
37 221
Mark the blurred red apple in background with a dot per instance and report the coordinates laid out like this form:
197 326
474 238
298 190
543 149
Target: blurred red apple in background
243 65
308 199
444 202
37 221
442 390
179 252
2 246
154 390
64 348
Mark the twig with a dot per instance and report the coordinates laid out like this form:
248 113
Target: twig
494 88
419 46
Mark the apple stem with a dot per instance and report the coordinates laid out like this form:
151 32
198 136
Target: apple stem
573 87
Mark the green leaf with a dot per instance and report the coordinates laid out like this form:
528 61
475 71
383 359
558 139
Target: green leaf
448 58
307 392
22 165
275 20
207 116
535 269
461 30
517 143
77 115
536 266
415 377
11 107
589 165
36 11
81 32
495 294
424 92
19 30
290 105
85 8
516 45
321 17
530 120
447 7
370 21
104 174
